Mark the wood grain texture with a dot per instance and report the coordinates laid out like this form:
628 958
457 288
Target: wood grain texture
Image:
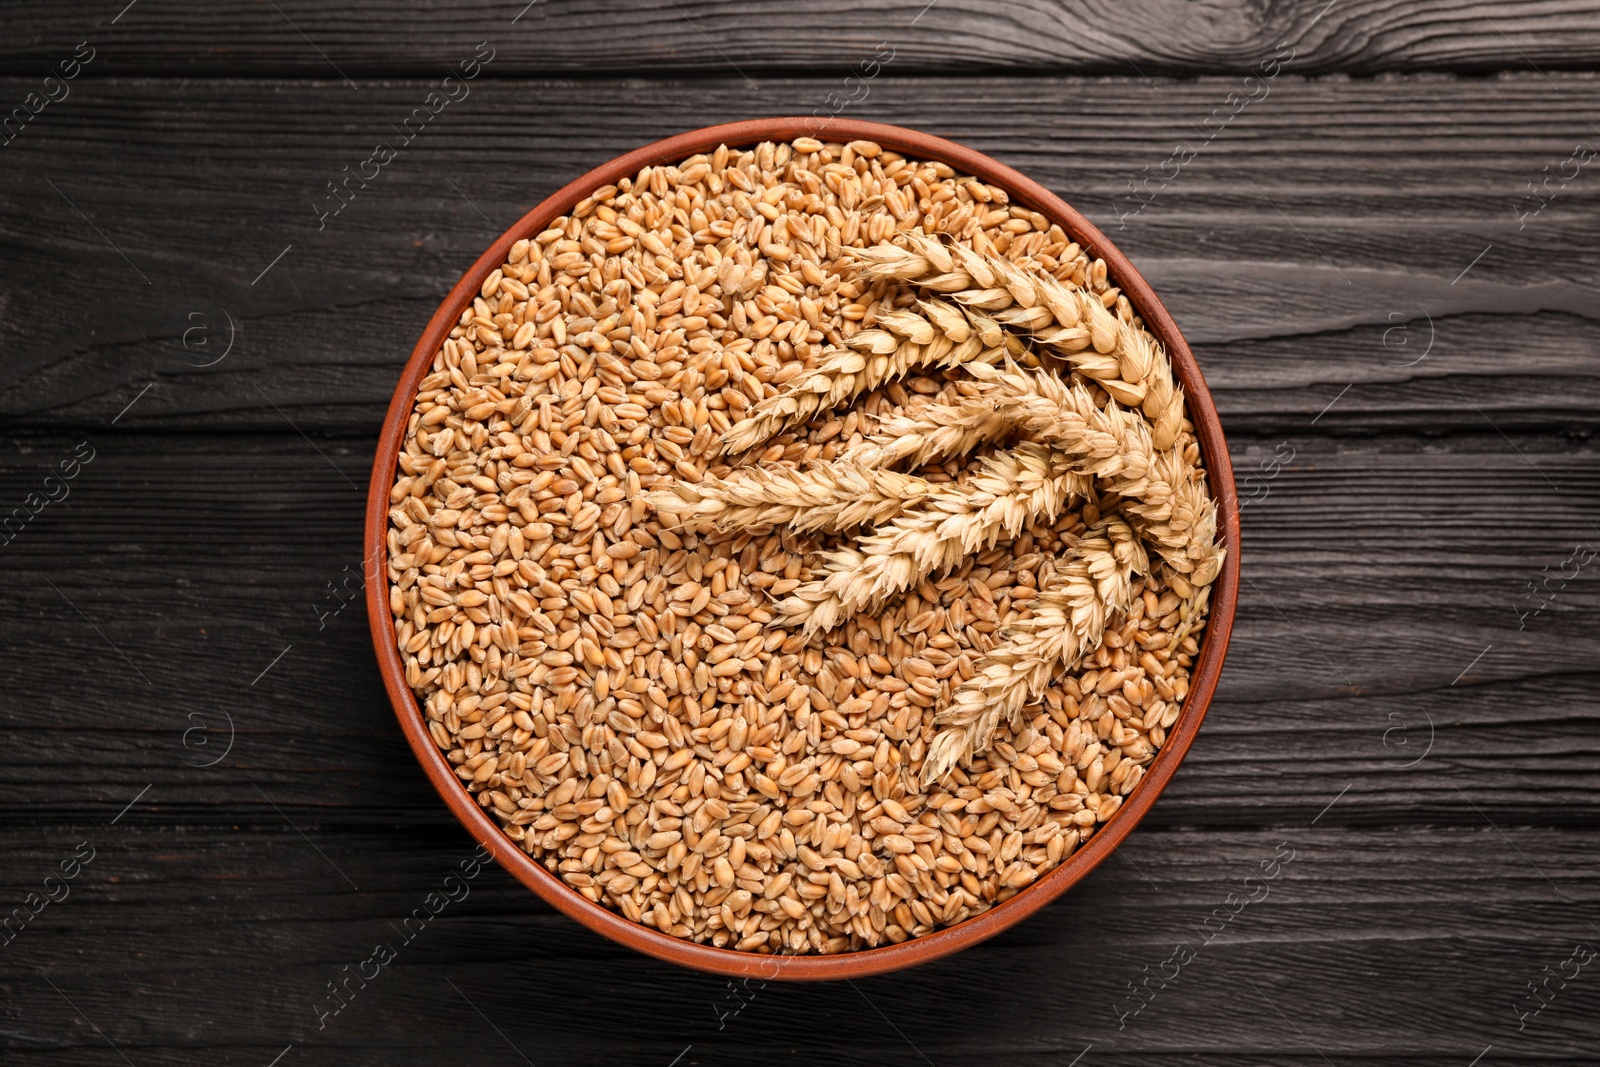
1329 235
249 924
1405 370
1144 38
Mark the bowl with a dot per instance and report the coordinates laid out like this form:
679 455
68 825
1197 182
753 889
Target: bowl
726 961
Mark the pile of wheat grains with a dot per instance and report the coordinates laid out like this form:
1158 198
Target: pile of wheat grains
621 696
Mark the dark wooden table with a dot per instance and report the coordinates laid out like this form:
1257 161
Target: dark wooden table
1375 219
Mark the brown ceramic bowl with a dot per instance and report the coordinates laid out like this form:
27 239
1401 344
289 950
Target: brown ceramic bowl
941 942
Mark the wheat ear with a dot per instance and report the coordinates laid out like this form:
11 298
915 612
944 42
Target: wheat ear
934 432
1109 441
1191 613
1009 491
1124 359
1067 417
842 374
902 342
1069 620
824 496
1170 508
1165 498
1010 400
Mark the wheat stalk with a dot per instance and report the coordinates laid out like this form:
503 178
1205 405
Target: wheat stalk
1069 621
1123 359
1009 491
824 496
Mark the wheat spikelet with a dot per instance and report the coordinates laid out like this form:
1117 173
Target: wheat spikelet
1010 490
824 496
1124 359
1069 621
960 325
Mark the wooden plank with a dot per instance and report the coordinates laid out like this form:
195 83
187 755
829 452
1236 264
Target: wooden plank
1330 226
222 934
1408 386
754 39
193 581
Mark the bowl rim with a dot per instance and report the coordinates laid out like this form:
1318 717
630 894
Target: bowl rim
726 961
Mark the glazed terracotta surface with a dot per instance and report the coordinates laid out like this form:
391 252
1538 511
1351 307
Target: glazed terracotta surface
1206 671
